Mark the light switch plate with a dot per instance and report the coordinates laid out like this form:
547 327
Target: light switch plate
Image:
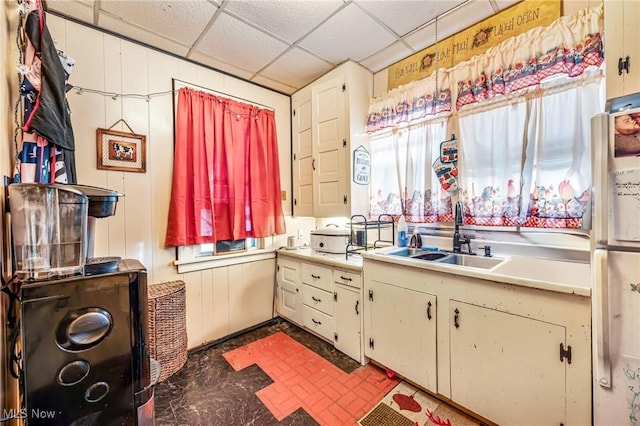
283 195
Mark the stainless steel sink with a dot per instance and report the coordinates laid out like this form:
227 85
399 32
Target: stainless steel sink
471 261
431 255
467 260
405 252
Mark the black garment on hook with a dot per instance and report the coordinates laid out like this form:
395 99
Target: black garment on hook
51 118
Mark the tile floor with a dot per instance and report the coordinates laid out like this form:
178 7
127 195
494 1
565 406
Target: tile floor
277 374
209 391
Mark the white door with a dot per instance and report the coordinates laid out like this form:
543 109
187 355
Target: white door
330 151
617 363
289 290
505 367
302 155
347 312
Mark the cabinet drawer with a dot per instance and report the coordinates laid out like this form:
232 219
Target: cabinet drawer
318 299
317 276
352 279
319 322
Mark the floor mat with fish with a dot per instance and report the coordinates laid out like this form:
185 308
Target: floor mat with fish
406 405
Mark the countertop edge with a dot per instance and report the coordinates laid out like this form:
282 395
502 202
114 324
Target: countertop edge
486 275
323 258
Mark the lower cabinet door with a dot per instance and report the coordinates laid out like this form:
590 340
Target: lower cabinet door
401 332
290 302
347 314
506 367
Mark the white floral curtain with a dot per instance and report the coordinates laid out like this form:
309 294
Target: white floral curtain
523 111
560 155
539 174
491 152
402 181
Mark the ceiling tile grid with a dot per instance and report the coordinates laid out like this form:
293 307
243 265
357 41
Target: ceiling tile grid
349 34
282 44
235 42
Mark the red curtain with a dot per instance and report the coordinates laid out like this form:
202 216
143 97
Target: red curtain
226 176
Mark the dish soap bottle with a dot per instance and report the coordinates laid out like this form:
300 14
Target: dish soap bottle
402 232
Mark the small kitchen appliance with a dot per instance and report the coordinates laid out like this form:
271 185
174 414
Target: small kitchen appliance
615 263
53 227
331 239
83 321
49 224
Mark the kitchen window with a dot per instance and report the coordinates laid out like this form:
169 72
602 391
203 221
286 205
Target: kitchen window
528 163
226 180
521 114
401 179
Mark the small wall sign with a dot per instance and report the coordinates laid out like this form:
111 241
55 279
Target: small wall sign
361 165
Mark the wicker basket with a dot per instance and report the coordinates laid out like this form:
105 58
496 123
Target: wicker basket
167 326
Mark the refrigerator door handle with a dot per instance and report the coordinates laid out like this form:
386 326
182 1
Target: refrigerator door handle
601 287
600 176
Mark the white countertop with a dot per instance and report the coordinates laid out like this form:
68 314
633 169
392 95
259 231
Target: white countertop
544 274
353 262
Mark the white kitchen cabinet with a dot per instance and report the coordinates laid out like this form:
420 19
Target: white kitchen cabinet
302 153
317 297
337 110
289 283
508 358
347 313
400 330
323 299
621 35
500 360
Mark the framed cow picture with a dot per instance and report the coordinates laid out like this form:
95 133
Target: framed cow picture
121 151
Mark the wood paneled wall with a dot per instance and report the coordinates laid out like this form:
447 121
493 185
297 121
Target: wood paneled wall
219 301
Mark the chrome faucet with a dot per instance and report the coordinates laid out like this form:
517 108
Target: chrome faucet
458 240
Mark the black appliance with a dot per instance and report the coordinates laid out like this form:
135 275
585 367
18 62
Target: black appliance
85 349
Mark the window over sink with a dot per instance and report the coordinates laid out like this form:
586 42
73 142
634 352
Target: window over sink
520 117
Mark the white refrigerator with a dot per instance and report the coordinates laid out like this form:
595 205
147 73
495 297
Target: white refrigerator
615 267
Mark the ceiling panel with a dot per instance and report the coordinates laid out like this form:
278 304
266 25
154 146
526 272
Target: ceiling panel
134 32
289 19
237 43
181 21
350 33
503 4
424 37
404 16
458 19
386 57
267 82
82 10
296 68
220 65
282 44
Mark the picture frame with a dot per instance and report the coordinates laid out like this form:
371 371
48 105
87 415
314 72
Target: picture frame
120 151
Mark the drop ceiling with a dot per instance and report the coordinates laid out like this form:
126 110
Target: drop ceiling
282 44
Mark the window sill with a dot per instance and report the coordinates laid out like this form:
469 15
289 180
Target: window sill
210 262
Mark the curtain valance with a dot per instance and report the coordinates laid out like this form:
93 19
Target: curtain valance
568 46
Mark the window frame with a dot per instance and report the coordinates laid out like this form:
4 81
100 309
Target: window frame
190 258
